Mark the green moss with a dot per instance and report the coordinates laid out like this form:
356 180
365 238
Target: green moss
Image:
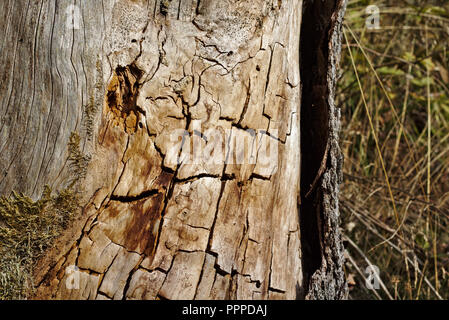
78 160
89 115
91 108
27 229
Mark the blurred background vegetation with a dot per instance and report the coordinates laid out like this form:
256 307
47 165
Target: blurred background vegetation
394 97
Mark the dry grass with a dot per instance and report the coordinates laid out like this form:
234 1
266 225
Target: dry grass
27 229
394 95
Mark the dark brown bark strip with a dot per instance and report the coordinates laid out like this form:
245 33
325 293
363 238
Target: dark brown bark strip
321 156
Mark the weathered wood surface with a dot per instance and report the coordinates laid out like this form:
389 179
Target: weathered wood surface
128 75
49 76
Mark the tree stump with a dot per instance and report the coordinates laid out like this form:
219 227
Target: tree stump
207 144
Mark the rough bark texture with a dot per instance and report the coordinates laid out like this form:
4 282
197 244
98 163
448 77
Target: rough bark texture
124 76
321 156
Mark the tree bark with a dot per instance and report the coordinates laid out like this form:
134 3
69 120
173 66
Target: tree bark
153 91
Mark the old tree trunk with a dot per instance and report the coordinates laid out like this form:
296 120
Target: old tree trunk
153 90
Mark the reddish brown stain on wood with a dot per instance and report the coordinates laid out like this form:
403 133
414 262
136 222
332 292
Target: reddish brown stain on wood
121 97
